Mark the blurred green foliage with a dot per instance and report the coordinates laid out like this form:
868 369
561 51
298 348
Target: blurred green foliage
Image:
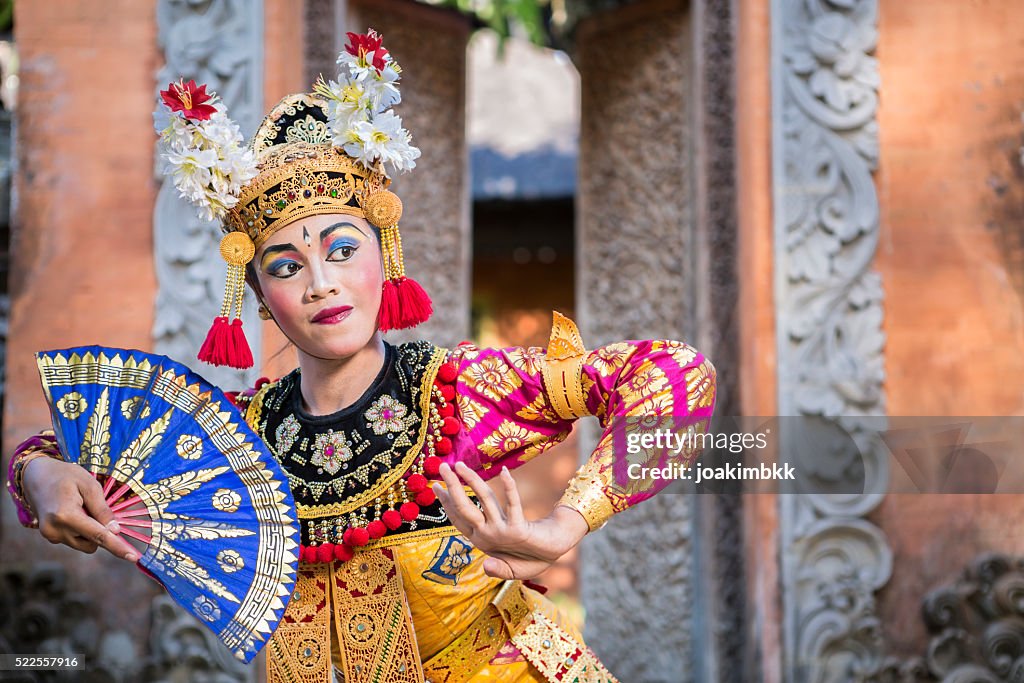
6 15
530 17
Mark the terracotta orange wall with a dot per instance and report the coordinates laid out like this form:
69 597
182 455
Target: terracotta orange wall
83 227
756 314
82 236
951 256
82 267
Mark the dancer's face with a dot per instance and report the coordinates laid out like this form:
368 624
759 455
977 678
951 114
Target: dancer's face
321 278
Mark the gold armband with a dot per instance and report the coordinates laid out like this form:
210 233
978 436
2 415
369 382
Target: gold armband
585 494
563 369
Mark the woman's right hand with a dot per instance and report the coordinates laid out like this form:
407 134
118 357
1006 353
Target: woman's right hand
71 508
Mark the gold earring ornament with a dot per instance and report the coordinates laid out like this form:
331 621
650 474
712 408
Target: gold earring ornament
225 342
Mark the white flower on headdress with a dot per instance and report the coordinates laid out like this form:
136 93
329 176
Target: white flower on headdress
221 132
382 87
359 102
202 149
384 139
190 169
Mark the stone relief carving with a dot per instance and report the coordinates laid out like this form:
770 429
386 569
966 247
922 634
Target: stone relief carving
976 626
829 331
217 42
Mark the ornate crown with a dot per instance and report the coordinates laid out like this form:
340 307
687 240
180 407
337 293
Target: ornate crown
301 173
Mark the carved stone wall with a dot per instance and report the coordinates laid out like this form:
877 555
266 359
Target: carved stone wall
430 44
830 341
976 627
636 278
219 43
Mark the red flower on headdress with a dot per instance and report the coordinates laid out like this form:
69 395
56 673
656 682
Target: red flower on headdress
189 99
360 45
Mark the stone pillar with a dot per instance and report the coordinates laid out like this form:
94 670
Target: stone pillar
430 44
756 328
637 279
720 595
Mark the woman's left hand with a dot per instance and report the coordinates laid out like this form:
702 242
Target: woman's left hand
518 549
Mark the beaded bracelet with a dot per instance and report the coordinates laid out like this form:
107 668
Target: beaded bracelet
16 483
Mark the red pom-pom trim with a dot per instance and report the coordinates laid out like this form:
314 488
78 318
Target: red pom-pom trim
416 483
307 554
426 497
450 426
343 552
447 410
357 536
409 511
443 447
447 372
392 519
432 466
448 391
215 347
325 552
376 529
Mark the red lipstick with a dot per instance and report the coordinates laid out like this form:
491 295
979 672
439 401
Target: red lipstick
332 316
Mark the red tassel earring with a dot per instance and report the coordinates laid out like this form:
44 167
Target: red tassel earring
404 303
225 342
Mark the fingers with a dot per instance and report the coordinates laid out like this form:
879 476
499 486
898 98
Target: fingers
72 526
94 502
82 545
498 568
492 508
103 527
461 511
515 508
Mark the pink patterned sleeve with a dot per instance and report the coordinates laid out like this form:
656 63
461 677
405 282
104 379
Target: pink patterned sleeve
508 414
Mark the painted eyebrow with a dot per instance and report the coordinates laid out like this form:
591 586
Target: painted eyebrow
331 228
277 249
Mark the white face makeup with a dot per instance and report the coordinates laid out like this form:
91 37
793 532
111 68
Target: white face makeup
321 278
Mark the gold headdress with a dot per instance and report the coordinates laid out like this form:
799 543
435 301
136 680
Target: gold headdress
324 152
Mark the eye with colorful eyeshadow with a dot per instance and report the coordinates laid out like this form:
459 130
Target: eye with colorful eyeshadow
283 268
342 249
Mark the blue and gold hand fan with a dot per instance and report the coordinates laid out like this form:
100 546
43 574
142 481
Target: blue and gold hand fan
189 482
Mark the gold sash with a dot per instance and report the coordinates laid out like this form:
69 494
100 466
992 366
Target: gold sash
376 639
